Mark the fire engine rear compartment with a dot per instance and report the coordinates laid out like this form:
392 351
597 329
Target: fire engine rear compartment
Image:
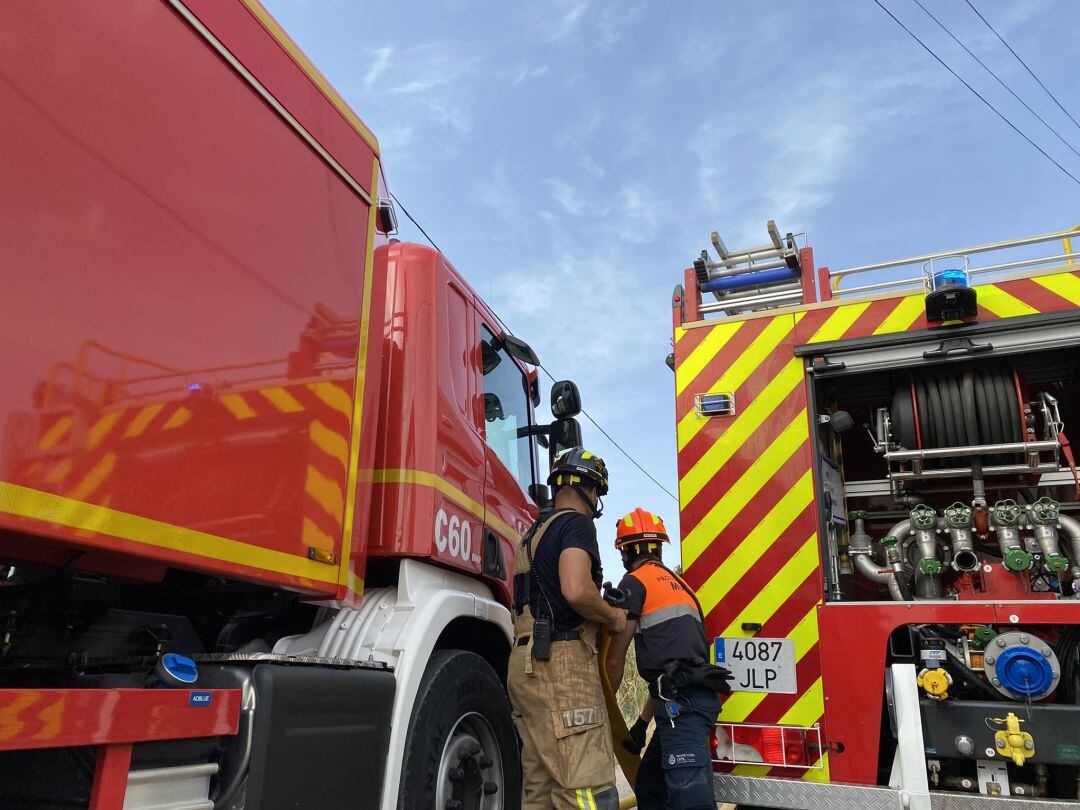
991 524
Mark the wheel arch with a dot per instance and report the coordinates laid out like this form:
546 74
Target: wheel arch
477 636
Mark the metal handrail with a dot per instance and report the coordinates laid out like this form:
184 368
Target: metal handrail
943 254
975 271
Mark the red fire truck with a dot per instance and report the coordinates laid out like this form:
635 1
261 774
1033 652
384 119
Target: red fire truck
879 512
232 405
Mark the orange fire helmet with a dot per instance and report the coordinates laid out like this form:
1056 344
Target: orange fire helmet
640 527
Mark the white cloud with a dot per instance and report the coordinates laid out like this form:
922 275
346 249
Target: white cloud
568 198
613 22
524 73
559 19
378 65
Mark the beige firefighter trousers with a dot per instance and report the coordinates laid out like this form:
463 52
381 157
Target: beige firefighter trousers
559 710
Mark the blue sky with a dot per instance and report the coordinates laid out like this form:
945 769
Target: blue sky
571 157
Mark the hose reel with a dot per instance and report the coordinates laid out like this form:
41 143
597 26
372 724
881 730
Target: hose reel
979 412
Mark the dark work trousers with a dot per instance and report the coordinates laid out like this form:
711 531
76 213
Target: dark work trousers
676 768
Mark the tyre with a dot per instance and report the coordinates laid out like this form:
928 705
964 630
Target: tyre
462 750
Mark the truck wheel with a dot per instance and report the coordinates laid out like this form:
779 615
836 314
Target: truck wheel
462 750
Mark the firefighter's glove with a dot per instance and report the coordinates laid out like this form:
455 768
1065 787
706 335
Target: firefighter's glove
718 679
637 736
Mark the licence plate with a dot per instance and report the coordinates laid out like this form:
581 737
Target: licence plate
758 664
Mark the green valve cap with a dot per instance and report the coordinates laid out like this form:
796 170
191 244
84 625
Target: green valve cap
1056 563
923 516
983 636
858 514
1016 559
889 541
928 565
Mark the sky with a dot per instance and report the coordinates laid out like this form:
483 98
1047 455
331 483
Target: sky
571 157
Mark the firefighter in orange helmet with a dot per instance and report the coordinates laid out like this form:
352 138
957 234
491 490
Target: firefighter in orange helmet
666 624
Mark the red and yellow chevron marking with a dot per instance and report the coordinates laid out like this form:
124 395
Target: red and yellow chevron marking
79 452
746 489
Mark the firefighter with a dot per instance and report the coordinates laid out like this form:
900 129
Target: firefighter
668 631
554 676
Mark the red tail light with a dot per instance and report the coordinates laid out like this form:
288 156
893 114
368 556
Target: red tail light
714 744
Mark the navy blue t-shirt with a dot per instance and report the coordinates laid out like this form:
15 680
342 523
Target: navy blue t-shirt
570 530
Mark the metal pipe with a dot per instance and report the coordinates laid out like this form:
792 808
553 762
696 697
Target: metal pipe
971 450
954 472
1011 243
1071 528
748 301
725 265
1005 521
861 552
993 268
1043 515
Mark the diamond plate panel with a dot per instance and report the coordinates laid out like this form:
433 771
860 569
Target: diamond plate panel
794 794
798 795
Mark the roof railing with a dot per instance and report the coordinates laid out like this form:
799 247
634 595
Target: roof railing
1068 256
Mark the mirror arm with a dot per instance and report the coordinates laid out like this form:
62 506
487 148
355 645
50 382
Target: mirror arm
534 430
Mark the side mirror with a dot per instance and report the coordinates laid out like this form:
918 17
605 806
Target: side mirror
489 357
493 409
518 348
534 388
565 401
565 433
387 217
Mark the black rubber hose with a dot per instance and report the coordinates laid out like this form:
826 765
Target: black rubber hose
982 408
1007 412
970 407
993 414
949 414
962 425
936 419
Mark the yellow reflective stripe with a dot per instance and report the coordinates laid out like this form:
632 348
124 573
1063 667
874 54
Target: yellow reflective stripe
808 709
95 478
282 399
142 420
839 322
325 492
331 443
742 428
737 564
738 496
287 44
581 800
237 406
778 590
1065 285
819 774
760 350
37 505
178 419
333 396
54 434
1001 303
426 479
357 420
101 428
591 798
903 315
704 352
805 635
680 333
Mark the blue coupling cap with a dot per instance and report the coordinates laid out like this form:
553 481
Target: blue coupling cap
176 670
1025 672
